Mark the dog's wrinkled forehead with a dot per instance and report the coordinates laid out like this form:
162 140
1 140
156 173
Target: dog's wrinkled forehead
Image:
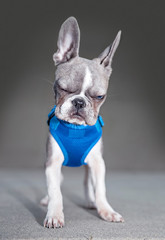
82 73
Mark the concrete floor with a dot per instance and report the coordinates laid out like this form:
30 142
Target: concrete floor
139 197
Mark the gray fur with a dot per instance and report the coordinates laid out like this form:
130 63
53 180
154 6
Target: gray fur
80 90
70 75
107 55
69 29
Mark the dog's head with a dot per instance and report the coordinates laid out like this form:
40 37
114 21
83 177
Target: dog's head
80 84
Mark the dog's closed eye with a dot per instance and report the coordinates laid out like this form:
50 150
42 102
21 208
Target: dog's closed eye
62 88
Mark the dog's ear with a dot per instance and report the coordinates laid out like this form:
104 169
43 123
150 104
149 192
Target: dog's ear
68 41
105 58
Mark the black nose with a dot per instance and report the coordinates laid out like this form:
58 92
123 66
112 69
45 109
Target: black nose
79 103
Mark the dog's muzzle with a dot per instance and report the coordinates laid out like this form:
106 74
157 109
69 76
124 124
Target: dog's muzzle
79 103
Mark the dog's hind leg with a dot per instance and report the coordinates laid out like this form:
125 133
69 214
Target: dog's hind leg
44 201
89 188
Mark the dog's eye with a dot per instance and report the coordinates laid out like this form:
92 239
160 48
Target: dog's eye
100 97
63 89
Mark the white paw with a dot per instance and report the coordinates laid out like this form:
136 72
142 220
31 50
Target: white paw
110 216
44 201
56 221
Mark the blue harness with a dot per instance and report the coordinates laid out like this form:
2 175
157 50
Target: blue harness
75 141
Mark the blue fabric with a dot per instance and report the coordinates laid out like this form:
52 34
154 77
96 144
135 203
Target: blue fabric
75 141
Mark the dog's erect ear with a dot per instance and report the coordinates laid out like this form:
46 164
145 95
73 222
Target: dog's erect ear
106 56
68 41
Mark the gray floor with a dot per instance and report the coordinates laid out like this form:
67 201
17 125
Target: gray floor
139 197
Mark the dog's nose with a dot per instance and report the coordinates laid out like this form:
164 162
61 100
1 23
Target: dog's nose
78 103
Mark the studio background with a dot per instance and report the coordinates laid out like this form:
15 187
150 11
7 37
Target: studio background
134 112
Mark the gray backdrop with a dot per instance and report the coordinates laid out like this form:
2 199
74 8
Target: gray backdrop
134 113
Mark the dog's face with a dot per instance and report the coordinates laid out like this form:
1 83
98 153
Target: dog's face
80 84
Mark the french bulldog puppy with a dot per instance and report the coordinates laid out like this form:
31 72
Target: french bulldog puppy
80 90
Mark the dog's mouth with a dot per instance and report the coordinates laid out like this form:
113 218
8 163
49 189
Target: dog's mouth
77 116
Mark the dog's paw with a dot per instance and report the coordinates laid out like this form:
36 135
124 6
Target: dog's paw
110 216
44 201
56 221
91 205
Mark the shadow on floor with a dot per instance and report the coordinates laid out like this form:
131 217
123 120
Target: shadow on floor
33 207
80 203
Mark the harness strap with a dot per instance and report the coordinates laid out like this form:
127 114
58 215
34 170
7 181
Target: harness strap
50 116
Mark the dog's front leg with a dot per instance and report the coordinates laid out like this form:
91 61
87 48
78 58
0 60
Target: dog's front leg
96 163
55 216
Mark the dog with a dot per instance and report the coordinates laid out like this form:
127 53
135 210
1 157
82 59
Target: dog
75 127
